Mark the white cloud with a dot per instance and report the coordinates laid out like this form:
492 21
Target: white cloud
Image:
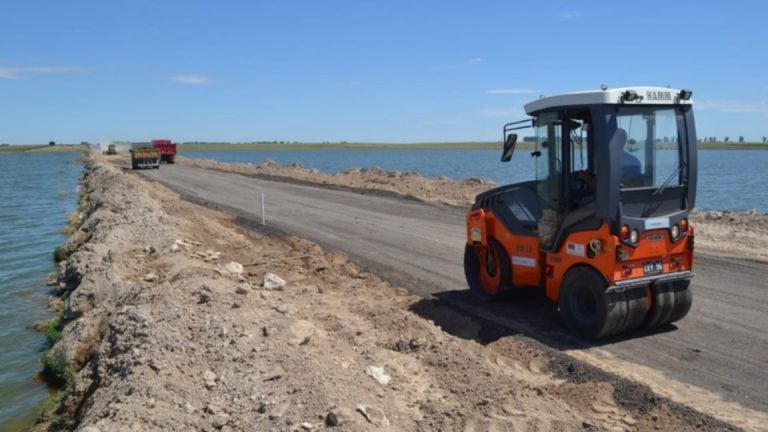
571 15
191 79
476 60
21 72
732 106
515 90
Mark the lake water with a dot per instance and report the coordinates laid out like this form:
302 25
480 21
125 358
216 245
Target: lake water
728 179
38 193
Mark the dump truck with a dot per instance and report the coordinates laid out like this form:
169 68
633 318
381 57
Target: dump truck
111 150
167 150
603 228
145 156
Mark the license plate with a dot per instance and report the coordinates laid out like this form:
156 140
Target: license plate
654 266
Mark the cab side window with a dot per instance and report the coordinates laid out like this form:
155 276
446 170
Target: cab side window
549 157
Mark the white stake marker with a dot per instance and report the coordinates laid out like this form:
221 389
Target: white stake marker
263 213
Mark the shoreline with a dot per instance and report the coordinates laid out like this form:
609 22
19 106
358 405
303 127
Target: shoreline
172 322
469 145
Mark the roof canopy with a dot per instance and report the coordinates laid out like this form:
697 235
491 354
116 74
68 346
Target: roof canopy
645 96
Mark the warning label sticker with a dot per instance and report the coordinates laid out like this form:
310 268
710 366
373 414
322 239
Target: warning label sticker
574 249
523 261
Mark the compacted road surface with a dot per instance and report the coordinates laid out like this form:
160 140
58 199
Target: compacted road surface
721 346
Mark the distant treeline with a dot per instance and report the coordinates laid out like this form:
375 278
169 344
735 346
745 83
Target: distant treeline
341 145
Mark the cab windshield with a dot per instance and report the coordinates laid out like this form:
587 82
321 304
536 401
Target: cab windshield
651 144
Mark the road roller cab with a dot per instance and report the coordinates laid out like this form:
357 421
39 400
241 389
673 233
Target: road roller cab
603 226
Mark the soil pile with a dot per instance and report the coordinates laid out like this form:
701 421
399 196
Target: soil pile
730 233
409 184
177 319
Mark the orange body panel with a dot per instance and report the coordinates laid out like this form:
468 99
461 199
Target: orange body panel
676 256
523 251
527 258
574 251
654 244
524 255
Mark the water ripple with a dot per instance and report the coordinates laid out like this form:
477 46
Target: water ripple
728 179
38 192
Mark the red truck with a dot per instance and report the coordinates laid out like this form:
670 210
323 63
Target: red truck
167 150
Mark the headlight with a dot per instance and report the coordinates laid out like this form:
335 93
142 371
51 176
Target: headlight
675 232
624 232
596 246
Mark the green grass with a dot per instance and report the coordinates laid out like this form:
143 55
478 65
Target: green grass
60 254
43 148
58 374
733 146
53 332
56 370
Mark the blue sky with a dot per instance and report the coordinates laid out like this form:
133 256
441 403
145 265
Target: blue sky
357 70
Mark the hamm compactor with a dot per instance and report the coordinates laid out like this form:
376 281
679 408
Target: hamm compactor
603 228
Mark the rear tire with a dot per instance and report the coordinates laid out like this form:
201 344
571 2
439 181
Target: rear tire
671 302
587 309
662 305
683 300
637 308
487 269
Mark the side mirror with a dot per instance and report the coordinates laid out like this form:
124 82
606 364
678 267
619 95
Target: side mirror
509 147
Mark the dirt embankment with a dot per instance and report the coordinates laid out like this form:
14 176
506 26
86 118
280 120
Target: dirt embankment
174 321
729 233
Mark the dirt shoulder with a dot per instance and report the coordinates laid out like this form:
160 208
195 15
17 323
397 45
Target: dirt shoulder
724 233
174 321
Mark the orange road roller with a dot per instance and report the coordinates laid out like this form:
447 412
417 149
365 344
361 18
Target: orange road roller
603 227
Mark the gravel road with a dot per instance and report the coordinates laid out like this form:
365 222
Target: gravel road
721 347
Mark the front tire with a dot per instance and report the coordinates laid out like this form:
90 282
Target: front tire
587 309
487 269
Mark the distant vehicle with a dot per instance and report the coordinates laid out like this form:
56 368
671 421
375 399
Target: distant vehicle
111 150
167 150
145 156
602 231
